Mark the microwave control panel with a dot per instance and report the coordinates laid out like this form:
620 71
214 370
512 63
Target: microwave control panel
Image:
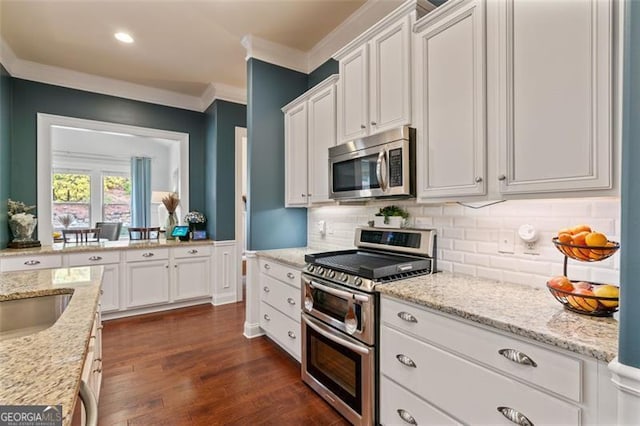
395 167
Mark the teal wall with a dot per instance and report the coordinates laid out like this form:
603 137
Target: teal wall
221 120
629 345
30 98
5 151
269 88
322 72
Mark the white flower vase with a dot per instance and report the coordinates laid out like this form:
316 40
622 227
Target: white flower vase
393 222
22 227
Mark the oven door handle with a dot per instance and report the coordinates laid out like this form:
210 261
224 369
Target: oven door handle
381 173
340 293
334 338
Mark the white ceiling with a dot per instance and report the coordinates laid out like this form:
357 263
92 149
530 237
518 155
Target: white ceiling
180 45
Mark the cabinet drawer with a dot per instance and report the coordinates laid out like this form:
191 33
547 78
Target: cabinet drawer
396 401
473 393
25 263
281 272
191 251
282 329
148 254
281 296
557 372
94 258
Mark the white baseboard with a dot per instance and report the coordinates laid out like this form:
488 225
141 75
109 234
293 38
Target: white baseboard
151 309
627 380
252 330
223 299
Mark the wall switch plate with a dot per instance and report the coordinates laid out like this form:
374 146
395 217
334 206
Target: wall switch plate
507 241
322 227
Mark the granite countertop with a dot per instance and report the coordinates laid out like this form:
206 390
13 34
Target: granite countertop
59 248
525 311
45 368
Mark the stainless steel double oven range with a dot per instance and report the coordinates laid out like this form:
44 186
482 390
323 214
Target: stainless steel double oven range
340 314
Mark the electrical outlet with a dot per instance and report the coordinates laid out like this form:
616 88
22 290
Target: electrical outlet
507 241
322 227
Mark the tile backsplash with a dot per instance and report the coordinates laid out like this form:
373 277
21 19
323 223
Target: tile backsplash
468 238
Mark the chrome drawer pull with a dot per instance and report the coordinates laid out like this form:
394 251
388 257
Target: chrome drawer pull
193 251
101 292
266 289
515 416
98 370
147 254
406 360
291 334
267 266
406 316
517 357
291 301
32 262
290 275
95 258
404 415
266 317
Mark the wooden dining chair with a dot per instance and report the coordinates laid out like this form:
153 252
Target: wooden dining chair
144 233
81 235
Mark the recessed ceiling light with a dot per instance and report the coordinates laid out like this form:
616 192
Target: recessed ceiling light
123 37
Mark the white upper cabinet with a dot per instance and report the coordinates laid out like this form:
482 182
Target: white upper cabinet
374 91
322 136
450 60
310 130
295 148
554 94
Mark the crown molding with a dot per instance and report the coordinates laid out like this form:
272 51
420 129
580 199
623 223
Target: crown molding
275 53
57 76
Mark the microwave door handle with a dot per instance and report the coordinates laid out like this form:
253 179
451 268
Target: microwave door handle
381 173
339 293
334 338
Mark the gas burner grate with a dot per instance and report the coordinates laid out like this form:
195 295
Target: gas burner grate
402 276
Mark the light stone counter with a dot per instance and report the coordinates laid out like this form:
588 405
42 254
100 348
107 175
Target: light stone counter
294 256
525 311
45 368
61 248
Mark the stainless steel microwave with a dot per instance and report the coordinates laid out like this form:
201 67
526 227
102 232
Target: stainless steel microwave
377 166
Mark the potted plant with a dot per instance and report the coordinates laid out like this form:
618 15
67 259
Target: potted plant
390 217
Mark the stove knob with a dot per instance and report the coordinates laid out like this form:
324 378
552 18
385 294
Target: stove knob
311 268
344 277
358 281
331 274
320 270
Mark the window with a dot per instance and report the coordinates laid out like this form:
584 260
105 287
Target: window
116 199
71 199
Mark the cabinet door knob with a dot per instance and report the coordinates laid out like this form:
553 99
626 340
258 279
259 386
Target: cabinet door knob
291 334
502 177
267 266
362 126
32 262
266 317
290 275
515 416
266 289
291 301
373 123
406 316
478 179
517 357
95 258
405 416
403 359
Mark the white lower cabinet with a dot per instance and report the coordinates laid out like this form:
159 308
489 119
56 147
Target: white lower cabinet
436 369
30 262
191 278
280 305
110 260
147 283
92 370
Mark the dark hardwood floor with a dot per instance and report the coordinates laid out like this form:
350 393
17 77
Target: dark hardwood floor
193 366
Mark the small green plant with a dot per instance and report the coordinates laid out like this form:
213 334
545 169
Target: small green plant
389 211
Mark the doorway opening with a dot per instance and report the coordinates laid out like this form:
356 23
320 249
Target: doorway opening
241 194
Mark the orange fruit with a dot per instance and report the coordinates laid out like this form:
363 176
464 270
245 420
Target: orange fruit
580 228
564 231
561 283
579 238
565 238
583 303
596 239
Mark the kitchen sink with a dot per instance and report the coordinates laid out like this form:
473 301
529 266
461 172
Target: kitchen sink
22 317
